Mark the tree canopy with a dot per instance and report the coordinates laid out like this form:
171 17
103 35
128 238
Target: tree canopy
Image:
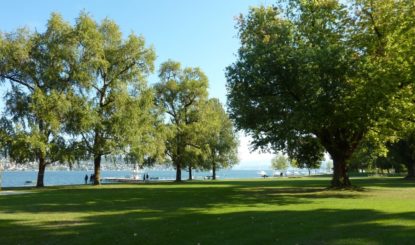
217 137
42 69
315 70
181 92
280 162
115 111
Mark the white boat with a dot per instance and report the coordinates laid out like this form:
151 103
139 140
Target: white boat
263 174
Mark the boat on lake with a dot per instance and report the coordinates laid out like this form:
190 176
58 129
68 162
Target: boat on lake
263 174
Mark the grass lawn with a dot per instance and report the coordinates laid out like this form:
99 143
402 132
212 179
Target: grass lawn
272 211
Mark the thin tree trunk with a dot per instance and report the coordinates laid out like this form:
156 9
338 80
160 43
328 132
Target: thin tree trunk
97 169
214 171
340 176
41 172
178 172
190 172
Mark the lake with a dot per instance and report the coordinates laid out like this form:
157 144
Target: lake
28 178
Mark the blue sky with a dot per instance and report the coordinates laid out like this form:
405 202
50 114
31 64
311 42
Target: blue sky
193 32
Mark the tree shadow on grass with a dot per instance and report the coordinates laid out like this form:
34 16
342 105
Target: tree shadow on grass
322 226
227 212
389 182
163 197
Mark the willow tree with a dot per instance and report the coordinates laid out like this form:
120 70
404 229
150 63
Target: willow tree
41 70
217 137
313 70
5 133
114 106
147 146
181 92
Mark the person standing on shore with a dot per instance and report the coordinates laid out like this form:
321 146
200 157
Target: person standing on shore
86 179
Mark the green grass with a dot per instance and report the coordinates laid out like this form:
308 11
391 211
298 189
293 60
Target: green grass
282 211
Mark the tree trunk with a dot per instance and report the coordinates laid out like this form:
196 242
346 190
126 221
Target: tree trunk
41 172
340 177
97 169
190 172
178 172
340 143
214 171
309 172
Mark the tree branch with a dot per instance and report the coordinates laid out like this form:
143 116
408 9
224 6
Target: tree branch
12 79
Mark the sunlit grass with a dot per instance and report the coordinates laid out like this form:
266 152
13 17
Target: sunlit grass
285 211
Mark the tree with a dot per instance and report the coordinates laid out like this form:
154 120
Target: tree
306 153
280 162
311 69
181 92
401 152
41 70
217 137
148 147
5 129
114 109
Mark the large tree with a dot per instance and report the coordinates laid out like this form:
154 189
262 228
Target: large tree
114 107
41 69
311 69
181 92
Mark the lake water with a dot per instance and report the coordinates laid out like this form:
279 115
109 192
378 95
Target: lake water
28 178
20 178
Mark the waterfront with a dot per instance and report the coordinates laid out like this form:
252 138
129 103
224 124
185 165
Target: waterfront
28 178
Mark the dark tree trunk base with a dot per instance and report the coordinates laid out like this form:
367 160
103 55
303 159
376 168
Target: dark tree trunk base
41 173
340 178
342 182
214 172
97 170
178 173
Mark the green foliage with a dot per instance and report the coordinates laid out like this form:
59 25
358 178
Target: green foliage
280 162
83 81
114 110
216 136
40 68
400 152
147 148
319 69
6 129
306 153
181 93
